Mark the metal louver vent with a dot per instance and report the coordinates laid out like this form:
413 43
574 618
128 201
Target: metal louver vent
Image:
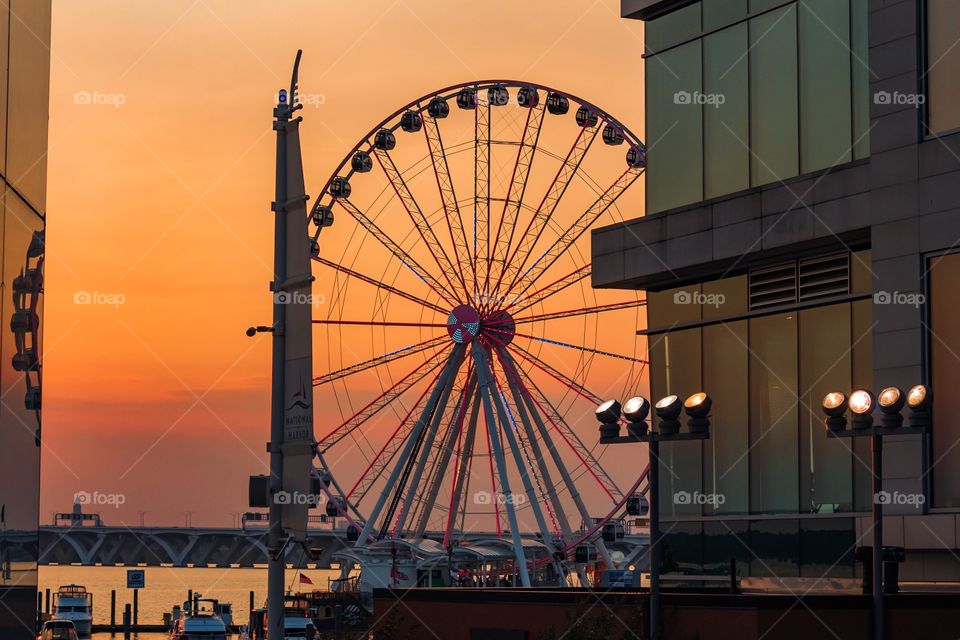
824 276
772 286
800 281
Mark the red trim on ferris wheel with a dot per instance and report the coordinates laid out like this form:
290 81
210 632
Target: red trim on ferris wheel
447 216
374 323
579 274
554 315
457 461
419 226
394 434
503 212
379 285
335 431
493 478
525 390
503 396
533 218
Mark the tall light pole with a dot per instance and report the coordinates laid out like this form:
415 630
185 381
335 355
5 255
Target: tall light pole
862 405
668 410
291 445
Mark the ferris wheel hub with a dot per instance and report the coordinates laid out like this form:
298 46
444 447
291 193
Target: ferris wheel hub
463 324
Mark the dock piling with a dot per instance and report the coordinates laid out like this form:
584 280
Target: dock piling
136 606
126 621
113 608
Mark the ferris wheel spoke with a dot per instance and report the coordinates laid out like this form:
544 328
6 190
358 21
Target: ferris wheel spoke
451 207
487 394
381 402
555 192
551 289
424 448
521 458
514 384
376 466
518 185
567 381
454 435
419 220
465 446
513 372
586 220
570 437
386 358
560 343
380 285
377 323
481 181
397 251
571 313
402 467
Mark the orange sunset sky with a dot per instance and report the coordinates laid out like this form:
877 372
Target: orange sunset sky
159 193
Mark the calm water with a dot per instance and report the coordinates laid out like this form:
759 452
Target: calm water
167 586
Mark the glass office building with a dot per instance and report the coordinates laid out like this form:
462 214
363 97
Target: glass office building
801 235
25 56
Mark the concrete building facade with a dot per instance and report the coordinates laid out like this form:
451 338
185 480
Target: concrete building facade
801 236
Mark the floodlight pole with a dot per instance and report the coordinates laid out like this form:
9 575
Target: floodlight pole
876 435
653 440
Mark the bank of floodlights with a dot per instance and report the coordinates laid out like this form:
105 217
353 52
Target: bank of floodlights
862 404
668 409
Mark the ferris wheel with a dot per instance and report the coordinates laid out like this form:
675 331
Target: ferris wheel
462 351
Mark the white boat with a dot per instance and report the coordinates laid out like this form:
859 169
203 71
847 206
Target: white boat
74 603
198 620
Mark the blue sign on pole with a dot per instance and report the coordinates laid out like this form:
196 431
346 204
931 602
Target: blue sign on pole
136 578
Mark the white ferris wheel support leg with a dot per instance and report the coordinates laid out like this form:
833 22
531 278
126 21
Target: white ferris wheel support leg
564 472
413 483
487 392
446 453
453 364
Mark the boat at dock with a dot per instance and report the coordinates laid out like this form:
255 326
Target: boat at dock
74 603
199 619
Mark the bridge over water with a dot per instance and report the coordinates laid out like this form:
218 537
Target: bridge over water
187 546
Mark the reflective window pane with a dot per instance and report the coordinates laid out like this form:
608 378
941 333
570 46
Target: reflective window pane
726 133
717 13
944 347
725 377
826 482
825 122
674 27
860 77
943 66
773 414
674 128
773 96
